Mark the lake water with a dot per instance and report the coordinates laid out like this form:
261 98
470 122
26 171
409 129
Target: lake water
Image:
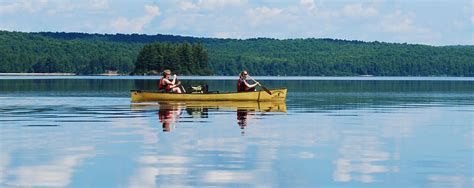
331 132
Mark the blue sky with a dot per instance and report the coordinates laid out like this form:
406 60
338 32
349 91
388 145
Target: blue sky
433 22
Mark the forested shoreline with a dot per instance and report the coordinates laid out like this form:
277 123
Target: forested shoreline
182 58
83 53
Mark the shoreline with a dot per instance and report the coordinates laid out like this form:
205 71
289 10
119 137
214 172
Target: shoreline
6 76
57 74
260 76
37 74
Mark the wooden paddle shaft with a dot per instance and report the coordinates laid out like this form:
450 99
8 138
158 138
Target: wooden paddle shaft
264 88
254 80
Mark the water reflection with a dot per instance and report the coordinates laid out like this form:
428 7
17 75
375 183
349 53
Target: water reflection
242 118
57 172
169 113
359 157
334 134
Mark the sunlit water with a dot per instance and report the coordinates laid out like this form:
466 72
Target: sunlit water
341 132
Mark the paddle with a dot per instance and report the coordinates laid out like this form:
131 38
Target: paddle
178 83
264 88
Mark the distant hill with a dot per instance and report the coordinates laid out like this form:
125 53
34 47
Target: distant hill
127 38
84 53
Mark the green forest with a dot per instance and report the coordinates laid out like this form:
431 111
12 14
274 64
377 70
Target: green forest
182 58
82 53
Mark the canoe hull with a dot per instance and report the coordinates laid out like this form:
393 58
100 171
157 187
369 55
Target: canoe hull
144 96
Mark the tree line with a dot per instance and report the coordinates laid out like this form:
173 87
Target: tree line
84 53
329 57
30 53
183 58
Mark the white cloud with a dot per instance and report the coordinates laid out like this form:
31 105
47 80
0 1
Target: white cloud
99 4
59 7
122 24
186 5
309 4
398 22
357 10
9 8
22 6
211 4
151 12
472 19
376 20
401 27
263 15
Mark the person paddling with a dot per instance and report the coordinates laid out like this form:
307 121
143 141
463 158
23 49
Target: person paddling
243 85
167 85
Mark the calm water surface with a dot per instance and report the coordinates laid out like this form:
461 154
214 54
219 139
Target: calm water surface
341 132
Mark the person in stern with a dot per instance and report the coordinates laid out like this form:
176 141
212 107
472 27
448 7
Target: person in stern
243 85
167 85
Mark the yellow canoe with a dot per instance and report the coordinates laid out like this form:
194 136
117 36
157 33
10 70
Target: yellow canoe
144 96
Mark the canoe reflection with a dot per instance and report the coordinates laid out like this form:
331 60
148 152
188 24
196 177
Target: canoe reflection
238 105
242 118
169 113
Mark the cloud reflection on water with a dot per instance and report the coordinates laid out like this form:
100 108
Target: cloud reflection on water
4 163
58 172
147 172
296 149
225 177
360 152
161 167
